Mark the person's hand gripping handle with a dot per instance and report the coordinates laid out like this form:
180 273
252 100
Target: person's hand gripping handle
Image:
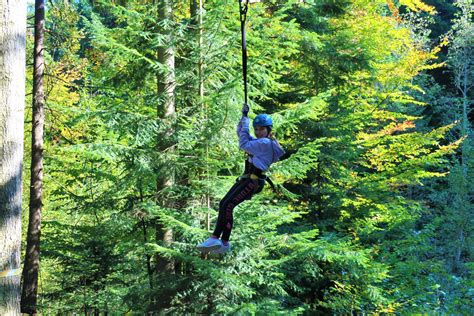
245 109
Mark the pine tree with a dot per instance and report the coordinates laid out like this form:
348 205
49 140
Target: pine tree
31 266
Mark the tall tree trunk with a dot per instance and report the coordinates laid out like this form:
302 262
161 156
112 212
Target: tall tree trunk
12 101
463 207
193 7
197 15
31 266
463 56
201 59
166 110
206 107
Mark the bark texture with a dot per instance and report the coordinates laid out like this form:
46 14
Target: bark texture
12 99
32 256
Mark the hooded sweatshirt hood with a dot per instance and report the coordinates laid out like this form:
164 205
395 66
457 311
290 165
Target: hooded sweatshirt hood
277 150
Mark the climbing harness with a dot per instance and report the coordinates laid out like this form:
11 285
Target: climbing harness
243 6
254 173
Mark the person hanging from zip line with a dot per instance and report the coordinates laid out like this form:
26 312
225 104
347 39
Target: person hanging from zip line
262 150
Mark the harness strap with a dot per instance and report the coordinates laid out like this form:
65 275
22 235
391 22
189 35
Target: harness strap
253 176
270 182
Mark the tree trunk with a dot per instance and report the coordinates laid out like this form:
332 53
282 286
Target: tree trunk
12 99
193 11
31 266
166 110
196 13
201 59
463 54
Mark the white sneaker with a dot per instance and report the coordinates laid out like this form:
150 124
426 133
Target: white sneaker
209 244
222 249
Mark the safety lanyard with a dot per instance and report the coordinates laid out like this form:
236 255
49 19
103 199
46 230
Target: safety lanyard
243 6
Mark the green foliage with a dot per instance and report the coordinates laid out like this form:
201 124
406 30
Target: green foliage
362 199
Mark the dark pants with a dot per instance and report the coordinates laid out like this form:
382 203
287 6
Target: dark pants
242 190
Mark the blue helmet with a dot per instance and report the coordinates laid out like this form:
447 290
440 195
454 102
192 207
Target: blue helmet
263 120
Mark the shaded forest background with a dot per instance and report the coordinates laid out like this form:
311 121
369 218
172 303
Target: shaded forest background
374 207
